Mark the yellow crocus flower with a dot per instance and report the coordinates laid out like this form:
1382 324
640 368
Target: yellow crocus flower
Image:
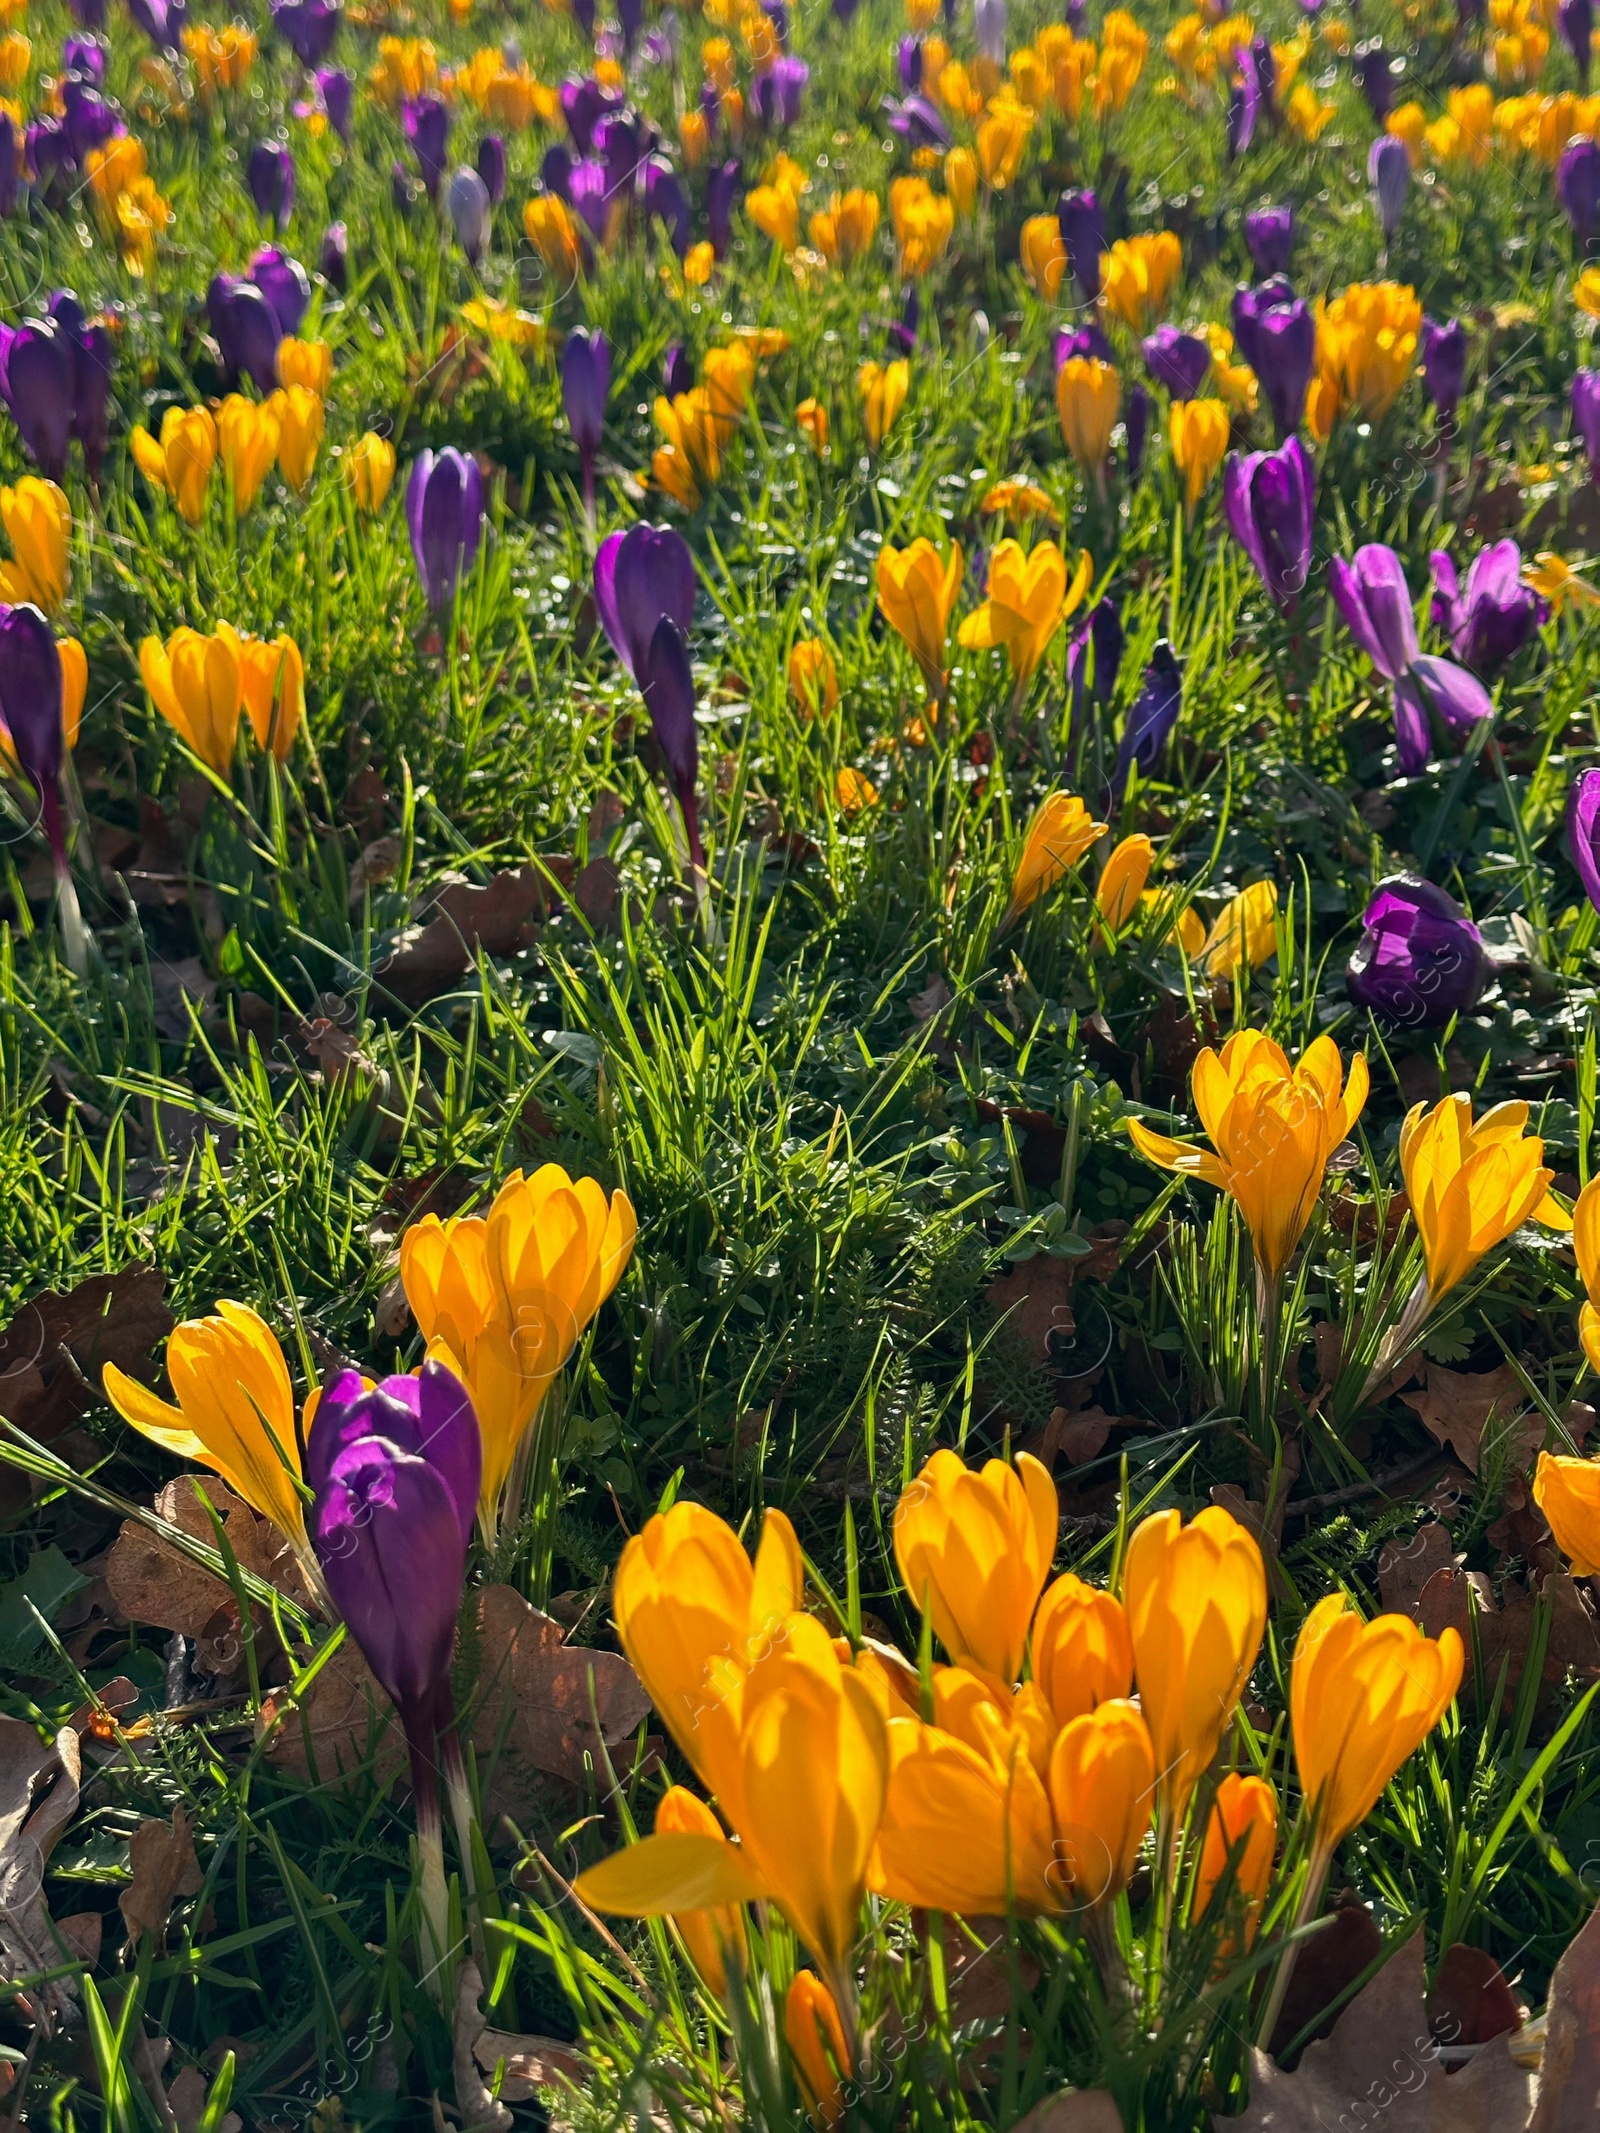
1197 431
917 592
1061 831
247 439
369 465
1244 934
843 231
1138 276
816 2040
181 462
1120 888
1567 1491
1043 255
1030 596
1080 1649
1471 1185
308 363
1088 399
195 682
973 1551
301 416
882 388
38 524
1002 138
272 682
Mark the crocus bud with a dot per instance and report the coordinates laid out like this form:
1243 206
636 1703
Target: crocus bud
1178 361
336 89
38 380
722 196
1151 719
246 328
639 576
1583 831
308 27
1136 423
1444 366
1270 501
426 120
910 63
1083 234
630 15
1578 187
491 161
94 358
1575 20
467 203
1244 104
1585 416
1491 618
1277 336
902 332
585 384
555 172
677 371
1420 960
85 57
1389 175
284 283
269 173
1377 83
666 202
89 120
666 683
444 510
30 704
333 261
1269 239
1093 658
583 105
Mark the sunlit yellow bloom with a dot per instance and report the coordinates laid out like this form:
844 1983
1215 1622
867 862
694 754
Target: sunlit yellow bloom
1363 1696
1235 381
1567 1491
16 53
1469 1186
1123 46
974 1550
1088 398
812 418
923 223
1586 1243
694 137
369 467
1043 255
505 322
553 234
301 416
1196 1599
813 677
958 92
1080 1649
1244 933
1122 879
140 215
1074 69
1030 78
194 682
1020 500
111 170
1243 1825
774 208
247 439
234 1411
699 264
181 463
272 681
222 58
1408 123
709 1933
38 524
1138 276
961 181
1197 431
1560 584
716 56
1059 834
1030 596
1586 291
407 68
1187 928
843 231
815 2037
1289 57
1272 1130
882 388
503 1299
1002 139
690 460
1307 113
854 791
1366 346
308 363
917 590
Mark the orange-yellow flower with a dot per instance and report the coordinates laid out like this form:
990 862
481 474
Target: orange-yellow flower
1244 934
194 682
1138 276
961 181
1366 346
882 388
222 58
1002 138
1123 45
181 463
1030 595
1243 1827
1272 1128
247 440
775 211
854 791
1088 397
917 592
553 234
843 231
1586 1243
301 416
815 2037
1307 113
1567 1491
812 418
1122 879
272 682
1197 431
1470 1186
38 524
369 466
707 1934
1043 255
1061 831
1020 500
308 363
1080 1649
923 224
974 1550
813 677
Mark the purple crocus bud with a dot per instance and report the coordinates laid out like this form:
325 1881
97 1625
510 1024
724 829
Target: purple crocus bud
917 122
665 201
468 206
1083 235
491 161
1389 175
1375 601
789 77
11 153
619 143
88 119
1420 960
722 197
1136 422
1265 61
426 120
1583 831
583 105
1586 416
583 16
585 387
590 197
269 173
902 332
1435 689
1093 658
639 576
89 14
1491 618
667 686
1444 366
1270 501
1244 103
85 56
94 359
30 706
444 510
401 190
910 63
284 283
161 20
630 17
48 155
1178 361
395 1474
1377 83
1277 336
1269 239
308 27
1578 186
1575 20
38 380
777 13
1082 341
336 89
246 328
333 262
678 371
1151 719
555 172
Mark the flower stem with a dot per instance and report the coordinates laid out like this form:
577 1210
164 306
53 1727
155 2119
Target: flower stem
418 1723
1310 1896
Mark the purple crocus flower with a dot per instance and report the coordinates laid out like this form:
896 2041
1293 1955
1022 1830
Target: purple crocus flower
1377 83
47 154
910 63
1586 416
1083 236
901 332
491 161
1093 658
665 201
333 262
1277 336
555 172
468 205
336 89
426 120
1178 361
1082 341
89 121
269 173
1444 366
1491 618
585 386
1583 831
917 122
1420 960
86 57
779 91
94 359
38 381
1389 175
722 197
308 27
583 16
1151 718
644 590
677 371
161 20
444 511
1578 186
11 153
630 19
1270 501
1135 424
583 105
1375 601
1244 103
1575 20
246 328
619 142
284 283
590 197
1269 239
30 706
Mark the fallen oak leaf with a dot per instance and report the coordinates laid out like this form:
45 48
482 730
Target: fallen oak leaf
164 1867
1466 1410
1569 2075
1405 1566
28 1835
344 1724
186 2100
1470 2001
150 1580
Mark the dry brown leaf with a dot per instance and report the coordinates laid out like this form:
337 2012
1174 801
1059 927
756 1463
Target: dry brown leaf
83 1932
526 1664
1405 1566
1504 1629
346 1721
1077 1438
529 2063
152 1581
164 1867
28 1835
1073 2111
1457 1408
439 948
1381 2066
1470 2001
1329 1964
1035 1299
477 2107
1569 2079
